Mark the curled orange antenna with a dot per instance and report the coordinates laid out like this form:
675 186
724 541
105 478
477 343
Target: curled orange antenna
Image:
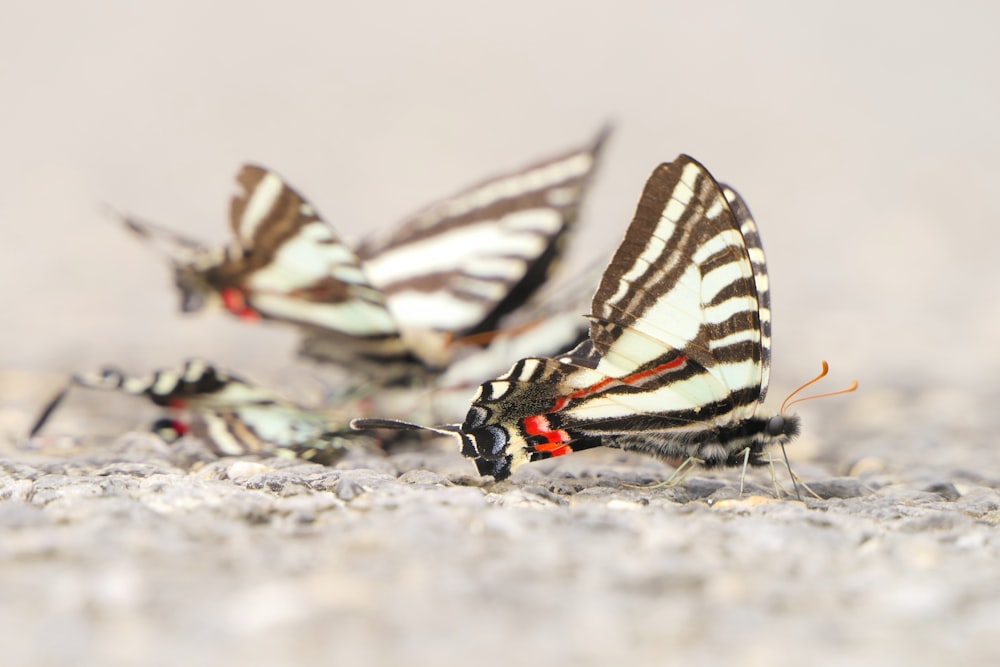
788 402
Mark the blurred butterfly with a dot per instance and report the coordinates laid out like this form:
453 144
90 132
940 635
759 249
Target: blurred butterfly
392 308
230 414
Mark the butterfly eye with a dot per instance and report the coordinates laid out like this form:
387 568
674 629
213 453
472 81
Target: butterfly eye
776 426
111 377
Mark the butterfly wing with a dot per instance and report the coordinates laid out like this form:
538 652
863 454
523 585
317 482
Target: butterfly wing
290 265
755 252
466 261
677 356
682 289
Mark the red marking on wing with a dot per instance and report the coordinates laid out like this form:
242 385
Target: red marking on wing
177 403
555 439
235 302
628 379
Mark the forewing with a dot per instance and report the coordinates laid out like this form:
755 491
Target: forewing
464 262
294 267
682 286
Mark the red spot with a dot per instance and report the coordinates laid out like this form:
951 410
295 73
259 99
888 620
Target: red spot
555 439
562 451
177 403
235 302
181 428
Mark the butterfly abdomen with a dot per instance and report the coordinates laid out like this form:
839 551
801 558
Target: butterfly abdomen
724 445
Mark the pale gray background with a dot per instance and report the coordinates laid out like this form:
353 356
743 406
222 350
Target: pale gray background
864 137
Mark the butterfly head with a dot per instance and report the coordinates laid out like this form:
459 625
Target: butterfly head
169 430
782 427
195 292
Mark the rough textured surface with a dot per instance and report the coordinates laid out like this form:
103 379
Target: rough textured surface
864 137
131 548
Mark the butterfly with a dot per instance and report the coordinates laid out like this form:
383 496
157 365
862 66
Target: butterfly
393 307
678 357
229 413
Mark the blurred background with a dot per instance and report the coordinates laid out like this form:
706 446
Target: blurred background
864 136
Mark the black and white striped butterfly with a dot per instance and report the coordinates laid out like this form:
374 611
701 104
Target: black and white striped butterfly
395 306
230 414
678 358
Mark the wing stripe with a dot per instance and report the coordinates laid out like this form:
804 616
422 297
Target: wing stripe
260 207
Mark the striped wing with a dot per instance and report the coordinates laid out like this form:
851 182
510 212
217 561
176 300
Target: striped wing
288 264
297 270
676 365
683 284
233 416
392 309
466 261
285 263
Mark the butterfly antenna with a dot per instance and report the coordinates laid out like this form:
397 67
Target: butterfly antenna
789 402
49 409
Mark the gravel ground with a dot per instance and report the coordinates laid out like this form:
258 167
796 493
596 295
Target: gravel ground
126 551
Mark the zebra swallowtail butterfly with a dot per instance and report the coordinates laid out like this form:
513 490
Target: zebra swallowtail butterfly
391 307
678 357
233 416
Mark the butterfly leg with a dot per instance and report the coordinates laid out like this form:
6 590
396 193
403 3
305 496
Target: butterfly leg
679 474
796 480
743 470
779 491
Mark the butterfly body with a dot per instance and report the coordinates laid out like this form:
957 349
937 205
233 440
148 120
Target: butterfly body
232 415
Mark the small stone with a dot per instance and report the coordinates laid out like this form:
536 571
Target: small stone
424 478
946 490
241 471
842 487
868 465
348 489
619 504
745 503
